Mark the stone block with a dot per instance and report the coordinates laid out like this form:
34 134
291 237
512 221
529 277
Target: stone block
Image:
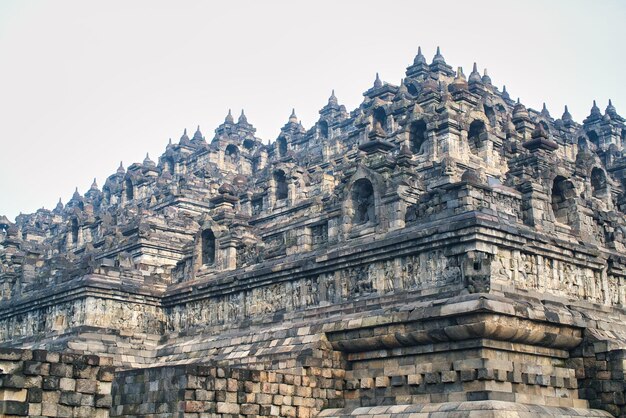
61 370
67 384
228 408
250 409
448 376
70 398
35 395
86 386
17 408
14 395
382 381
50 383
414 379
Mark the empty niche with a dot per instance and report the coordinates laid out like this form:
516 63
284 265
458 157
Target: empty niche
208 247
598 182
248 144
74 231
323 129
475 135
280 181
491 114
130 194
282 147
363 202
593 137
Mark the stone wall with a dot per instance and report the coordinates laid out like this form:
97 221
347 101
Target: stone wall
600 372
42 383
209 390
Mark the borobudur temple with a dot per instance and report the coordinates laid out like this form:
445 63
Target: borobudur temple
439 251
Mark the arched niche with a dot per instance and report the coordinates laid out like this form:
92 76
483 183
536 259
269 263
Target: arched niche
598 183
563 200
231 154
281 189
490 113
593 137
168 165
475 135
75 231
248 144
323 125
380 118
130 192
208 247
417 137
282 147
363 202
106 190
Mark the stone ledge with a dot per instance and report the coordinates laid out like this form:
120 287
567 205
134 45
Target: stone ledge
491 409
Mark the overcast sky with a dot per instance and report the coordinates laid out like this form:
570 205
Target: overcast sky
85 84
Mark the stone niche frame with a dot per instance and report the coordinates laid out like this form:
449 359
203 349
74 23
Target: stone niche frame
218 235
348 210
566 199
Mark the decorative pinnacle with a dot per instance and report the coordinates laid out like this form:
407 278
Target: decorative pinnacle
229 117
459 73
147 160
438 58
475 75
184 137
505 94
419 58
197 135
566 115
120 169
610 109
377 83
486 79
293 117
242 117
94 185
595 110
544 110
332 100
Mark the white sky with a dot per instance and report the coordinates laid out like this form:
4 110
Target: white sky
85 84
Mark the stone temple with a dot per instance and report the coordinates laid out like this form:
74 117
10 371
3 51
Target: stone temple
439 251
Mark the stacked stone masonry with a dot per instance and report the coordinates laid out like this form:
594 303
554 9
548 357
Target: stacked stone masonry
441 250
210 391
39 383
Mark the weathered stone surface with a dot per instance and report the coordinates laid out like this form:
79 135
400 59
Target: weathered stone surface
25 392
439 247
